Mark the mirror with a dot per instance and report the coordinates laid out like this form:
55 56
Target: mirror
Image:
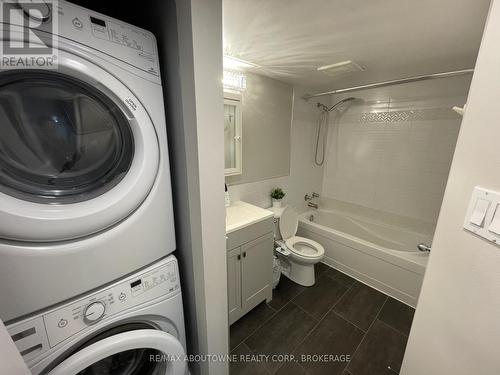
232 134
266 113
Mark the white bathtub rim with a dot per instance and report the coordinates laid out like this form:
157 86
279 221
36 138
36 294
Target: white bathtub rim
304 218
351 215
415 263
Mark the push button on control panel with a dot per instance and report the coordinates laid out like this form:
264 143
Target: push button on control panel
77 23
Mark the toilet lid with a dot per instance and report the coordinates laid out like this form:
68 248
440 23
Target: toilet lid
289 221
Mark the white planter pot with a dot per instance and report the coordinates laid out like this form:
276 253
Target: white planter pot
276 203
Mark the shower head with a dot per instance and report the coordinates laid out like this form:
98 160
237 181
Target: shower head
326 109
322 119
322 106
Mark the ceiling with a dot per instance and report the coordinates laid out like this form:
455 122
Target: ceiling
390 39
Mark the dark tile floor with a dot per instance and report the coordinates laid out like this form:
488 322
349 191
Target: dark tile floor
320 326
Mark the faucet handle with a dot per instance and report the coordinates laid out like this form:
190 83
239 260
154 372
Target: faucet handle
307 197
315 195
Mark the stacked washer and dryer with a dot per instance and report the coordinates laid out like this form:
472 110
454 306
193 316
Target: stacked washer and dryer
87 284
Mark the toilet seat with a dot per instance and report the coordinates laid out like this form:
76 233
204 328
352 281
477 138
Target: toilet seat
299 246
303 253
304 247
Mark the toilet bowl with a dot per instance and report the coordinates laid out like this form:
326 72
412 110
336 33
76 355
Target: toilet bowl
301 253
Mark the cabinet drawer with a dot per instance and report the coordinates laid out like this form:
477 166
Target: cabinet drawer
247 234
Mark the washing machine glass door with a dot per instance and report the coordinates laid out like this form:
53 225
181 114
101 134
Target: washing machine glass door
78 151
139 352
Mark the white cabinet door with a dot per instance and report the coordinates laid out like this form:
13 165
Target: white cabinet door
234 284
257 270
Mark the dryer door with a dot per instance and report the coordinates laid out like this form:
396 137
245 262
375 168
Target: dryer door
140 352
78 152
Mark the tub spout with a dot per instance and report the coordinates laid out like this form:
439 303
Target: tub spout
424 247
313 205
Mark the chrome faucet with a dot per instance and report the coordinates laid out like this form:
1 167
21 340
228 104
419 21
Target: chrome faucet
308 197
313 205
424 247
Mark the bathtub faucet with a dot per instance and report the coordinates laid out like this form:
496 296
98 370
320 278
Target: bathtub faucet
308 197
313 205
424 247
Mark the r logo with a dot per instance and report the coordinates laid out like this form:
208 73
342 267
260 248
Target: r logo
28 34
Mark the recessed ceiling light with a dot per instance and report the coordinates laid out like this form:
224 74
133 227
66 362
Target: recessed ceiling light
234 63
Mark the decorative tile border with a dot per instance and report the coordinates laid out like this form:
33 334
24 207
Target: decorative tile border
402 116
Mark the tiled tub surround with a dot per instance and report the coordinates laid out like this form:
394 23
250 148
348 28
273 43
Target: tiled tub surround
377 248
338 316
391 150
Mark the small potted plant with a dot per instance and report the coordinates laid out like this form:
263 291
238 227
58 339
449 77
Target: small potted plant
277 195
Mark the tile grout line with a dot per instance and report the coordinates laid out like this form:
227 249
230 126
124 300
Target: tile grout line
348 321
304 311
394 329
256 329
331 309
250 350
268 319
290 301
317 324
364 336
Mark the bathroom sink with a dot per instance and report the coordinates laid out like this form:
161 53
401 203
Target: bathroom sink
241 214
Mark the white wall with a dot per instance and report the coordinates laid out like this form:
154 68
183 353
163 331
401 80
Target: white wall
189 36
305 177
391 149
456 328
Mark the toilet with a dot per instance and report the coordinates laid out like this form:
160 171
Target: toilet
298 254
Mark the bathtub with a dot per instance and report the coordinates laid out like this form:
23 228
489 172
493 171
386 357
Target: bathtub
383 256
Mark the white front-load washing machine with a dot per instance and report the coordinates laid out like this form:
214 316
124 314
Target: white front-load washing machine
132 327
85 194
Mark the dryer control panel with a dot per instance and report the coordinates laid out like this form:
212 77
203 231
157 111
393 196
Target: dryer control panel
34 336
133 46
125 42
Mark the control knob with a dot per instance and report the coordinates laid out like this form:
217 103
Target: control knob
94 312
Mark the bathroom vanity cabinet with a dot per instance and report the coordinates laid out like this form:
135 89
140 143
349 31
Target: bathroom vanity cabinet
249 258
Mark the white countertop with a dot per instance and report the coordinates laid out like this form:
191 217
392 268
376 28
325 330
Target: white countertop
241 214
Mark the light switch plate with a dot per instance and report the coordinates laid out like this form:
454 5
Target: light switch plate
482 216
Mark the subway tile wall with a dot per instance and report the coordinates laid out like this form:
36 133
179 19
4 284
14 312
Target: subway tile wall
391 149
